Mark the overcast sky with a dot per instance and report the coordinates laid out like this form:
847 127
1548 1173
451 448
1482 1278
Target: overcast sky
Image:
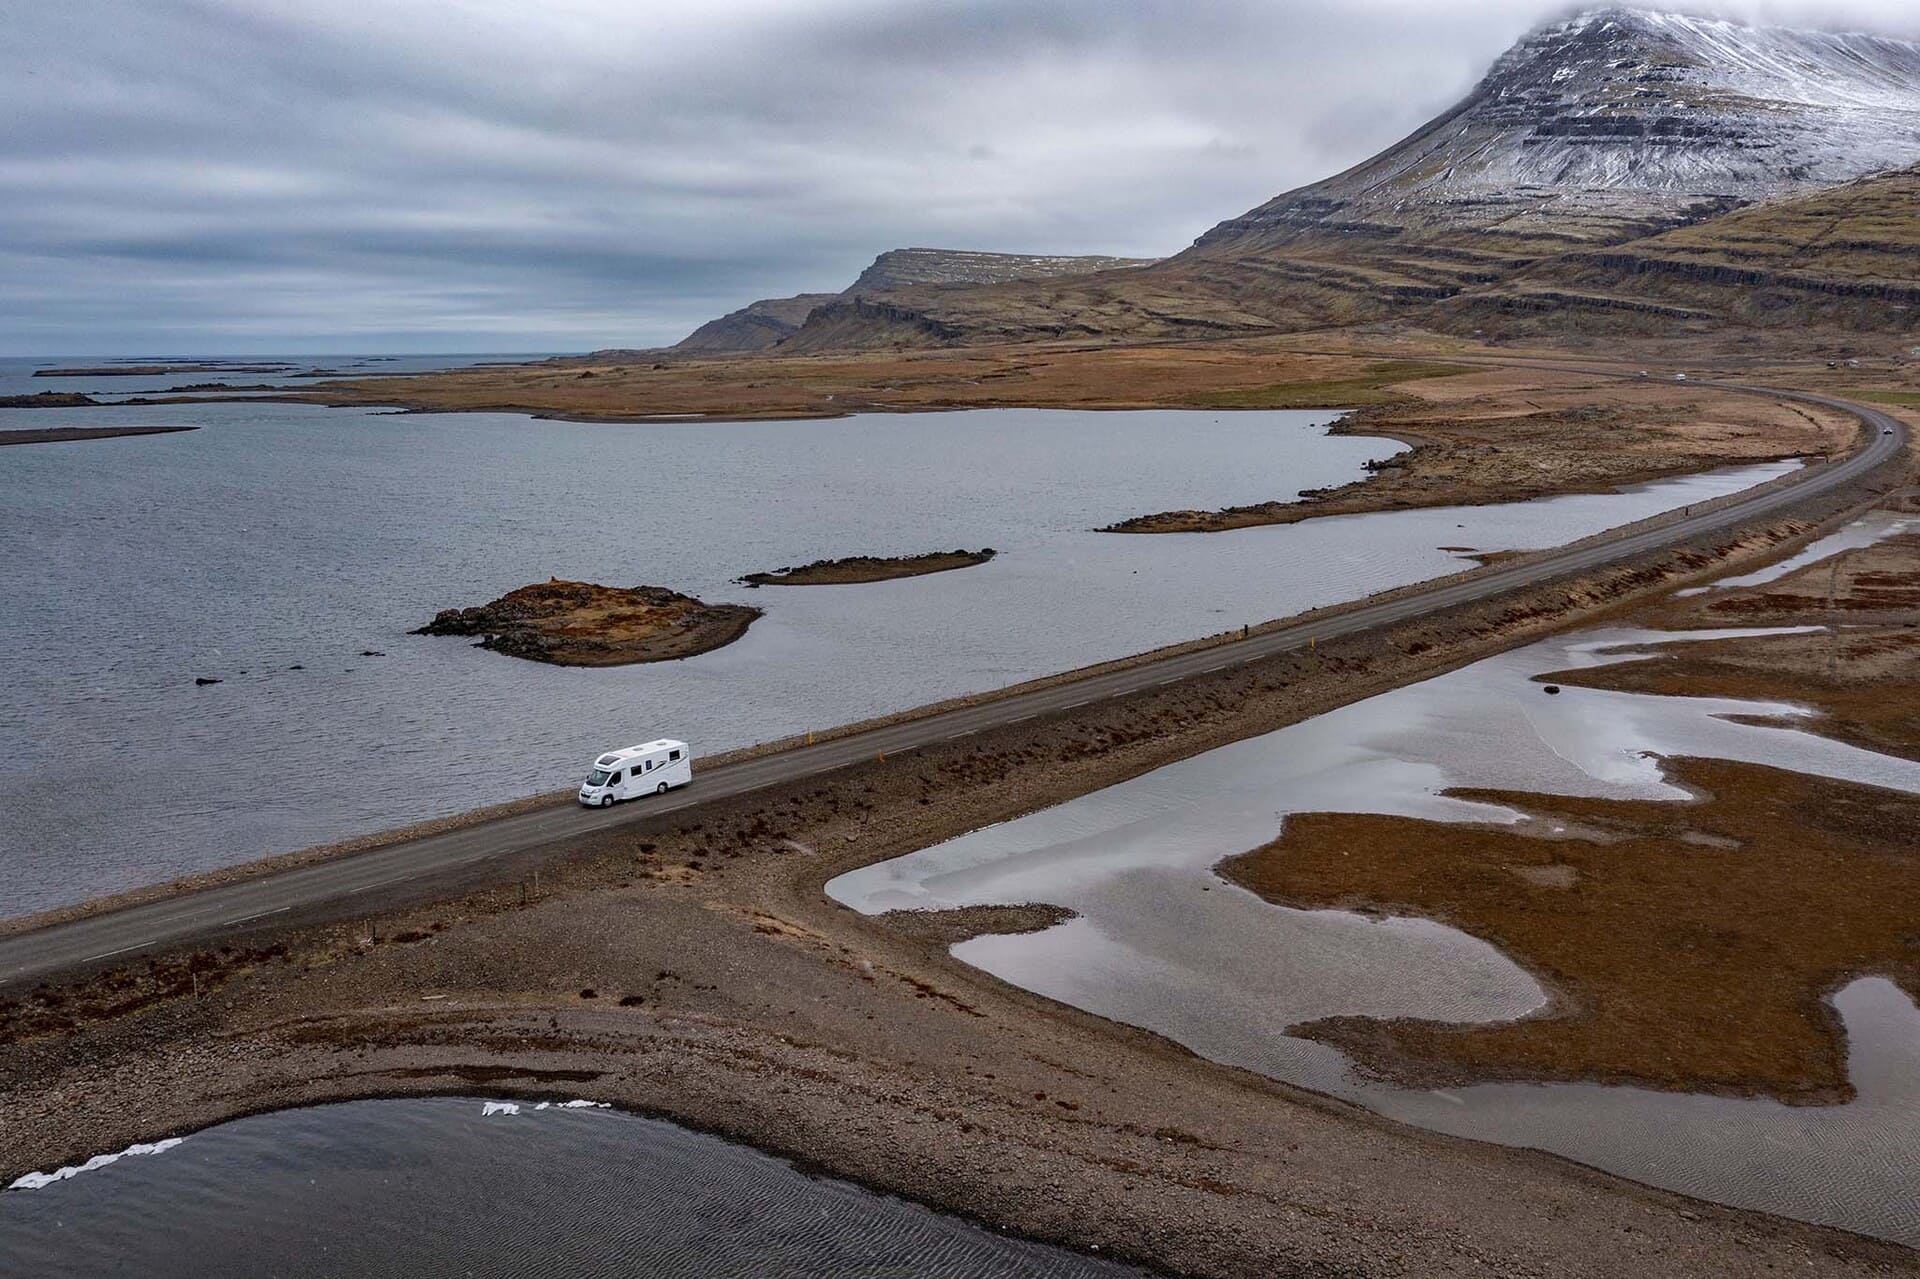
231 176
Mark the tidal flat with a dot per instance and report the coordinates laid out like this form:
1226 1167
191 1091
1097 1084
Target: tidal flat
1668 868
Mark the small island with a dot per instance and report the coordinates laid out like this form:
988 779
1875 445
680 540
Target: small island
62 434
585 624
50 400
869 568
161 370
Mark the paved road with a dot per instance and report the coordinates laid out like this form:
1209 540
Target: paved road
127 932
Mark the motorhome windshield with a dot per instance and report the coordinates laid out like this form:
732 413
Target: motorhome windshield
598 777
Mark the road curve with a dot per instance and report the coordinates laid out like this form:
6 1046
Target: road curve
171 921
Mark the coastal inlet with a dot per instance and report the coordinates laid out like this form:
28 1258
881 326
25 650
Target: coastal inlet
322 536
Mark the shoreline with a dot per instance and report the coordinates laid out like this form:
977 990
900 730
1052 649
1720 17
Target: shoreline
1457 462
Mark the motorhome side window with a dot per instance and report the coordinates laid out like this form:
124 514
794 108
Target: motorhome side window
673 755
649 766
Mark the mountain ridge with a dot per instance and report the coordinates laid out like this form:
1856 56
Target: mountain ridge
1602 129
765 323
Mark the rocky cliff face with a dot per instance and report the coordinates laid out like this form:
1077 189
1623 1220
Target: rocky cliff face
762 324
753 327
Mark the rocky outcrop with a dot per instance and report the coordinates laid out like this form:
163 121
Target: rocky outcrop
584 624
754 327
860 324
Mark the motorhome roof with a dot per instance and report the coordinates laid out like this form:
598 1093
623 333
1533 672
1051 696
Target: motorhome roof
645 748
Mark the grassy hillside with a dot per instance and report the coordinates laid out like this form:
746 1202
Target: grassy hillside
1845 258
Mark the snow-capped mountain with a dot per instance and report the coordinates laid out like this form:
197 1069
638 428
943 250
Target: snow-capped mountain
1623 120
1522 205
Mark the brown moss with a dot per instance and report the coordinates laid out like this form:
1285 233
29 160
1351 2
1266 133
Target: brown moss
1690 949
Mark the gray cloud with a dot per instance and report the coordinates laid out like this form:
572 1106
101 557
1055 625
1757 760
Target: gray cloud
222 175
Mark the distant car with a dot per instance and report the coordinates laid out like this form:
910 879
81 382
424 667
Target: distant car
651 768
1641 373
1679 377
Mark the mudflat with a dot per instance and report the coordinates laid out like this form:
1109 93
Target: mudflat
585 624
1687 945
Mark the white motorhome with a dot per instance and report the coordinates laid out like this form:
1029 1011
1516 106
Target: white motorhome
651 768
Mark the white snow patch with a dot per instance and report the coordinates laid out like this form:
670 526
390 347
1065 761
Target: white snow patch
1627 112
